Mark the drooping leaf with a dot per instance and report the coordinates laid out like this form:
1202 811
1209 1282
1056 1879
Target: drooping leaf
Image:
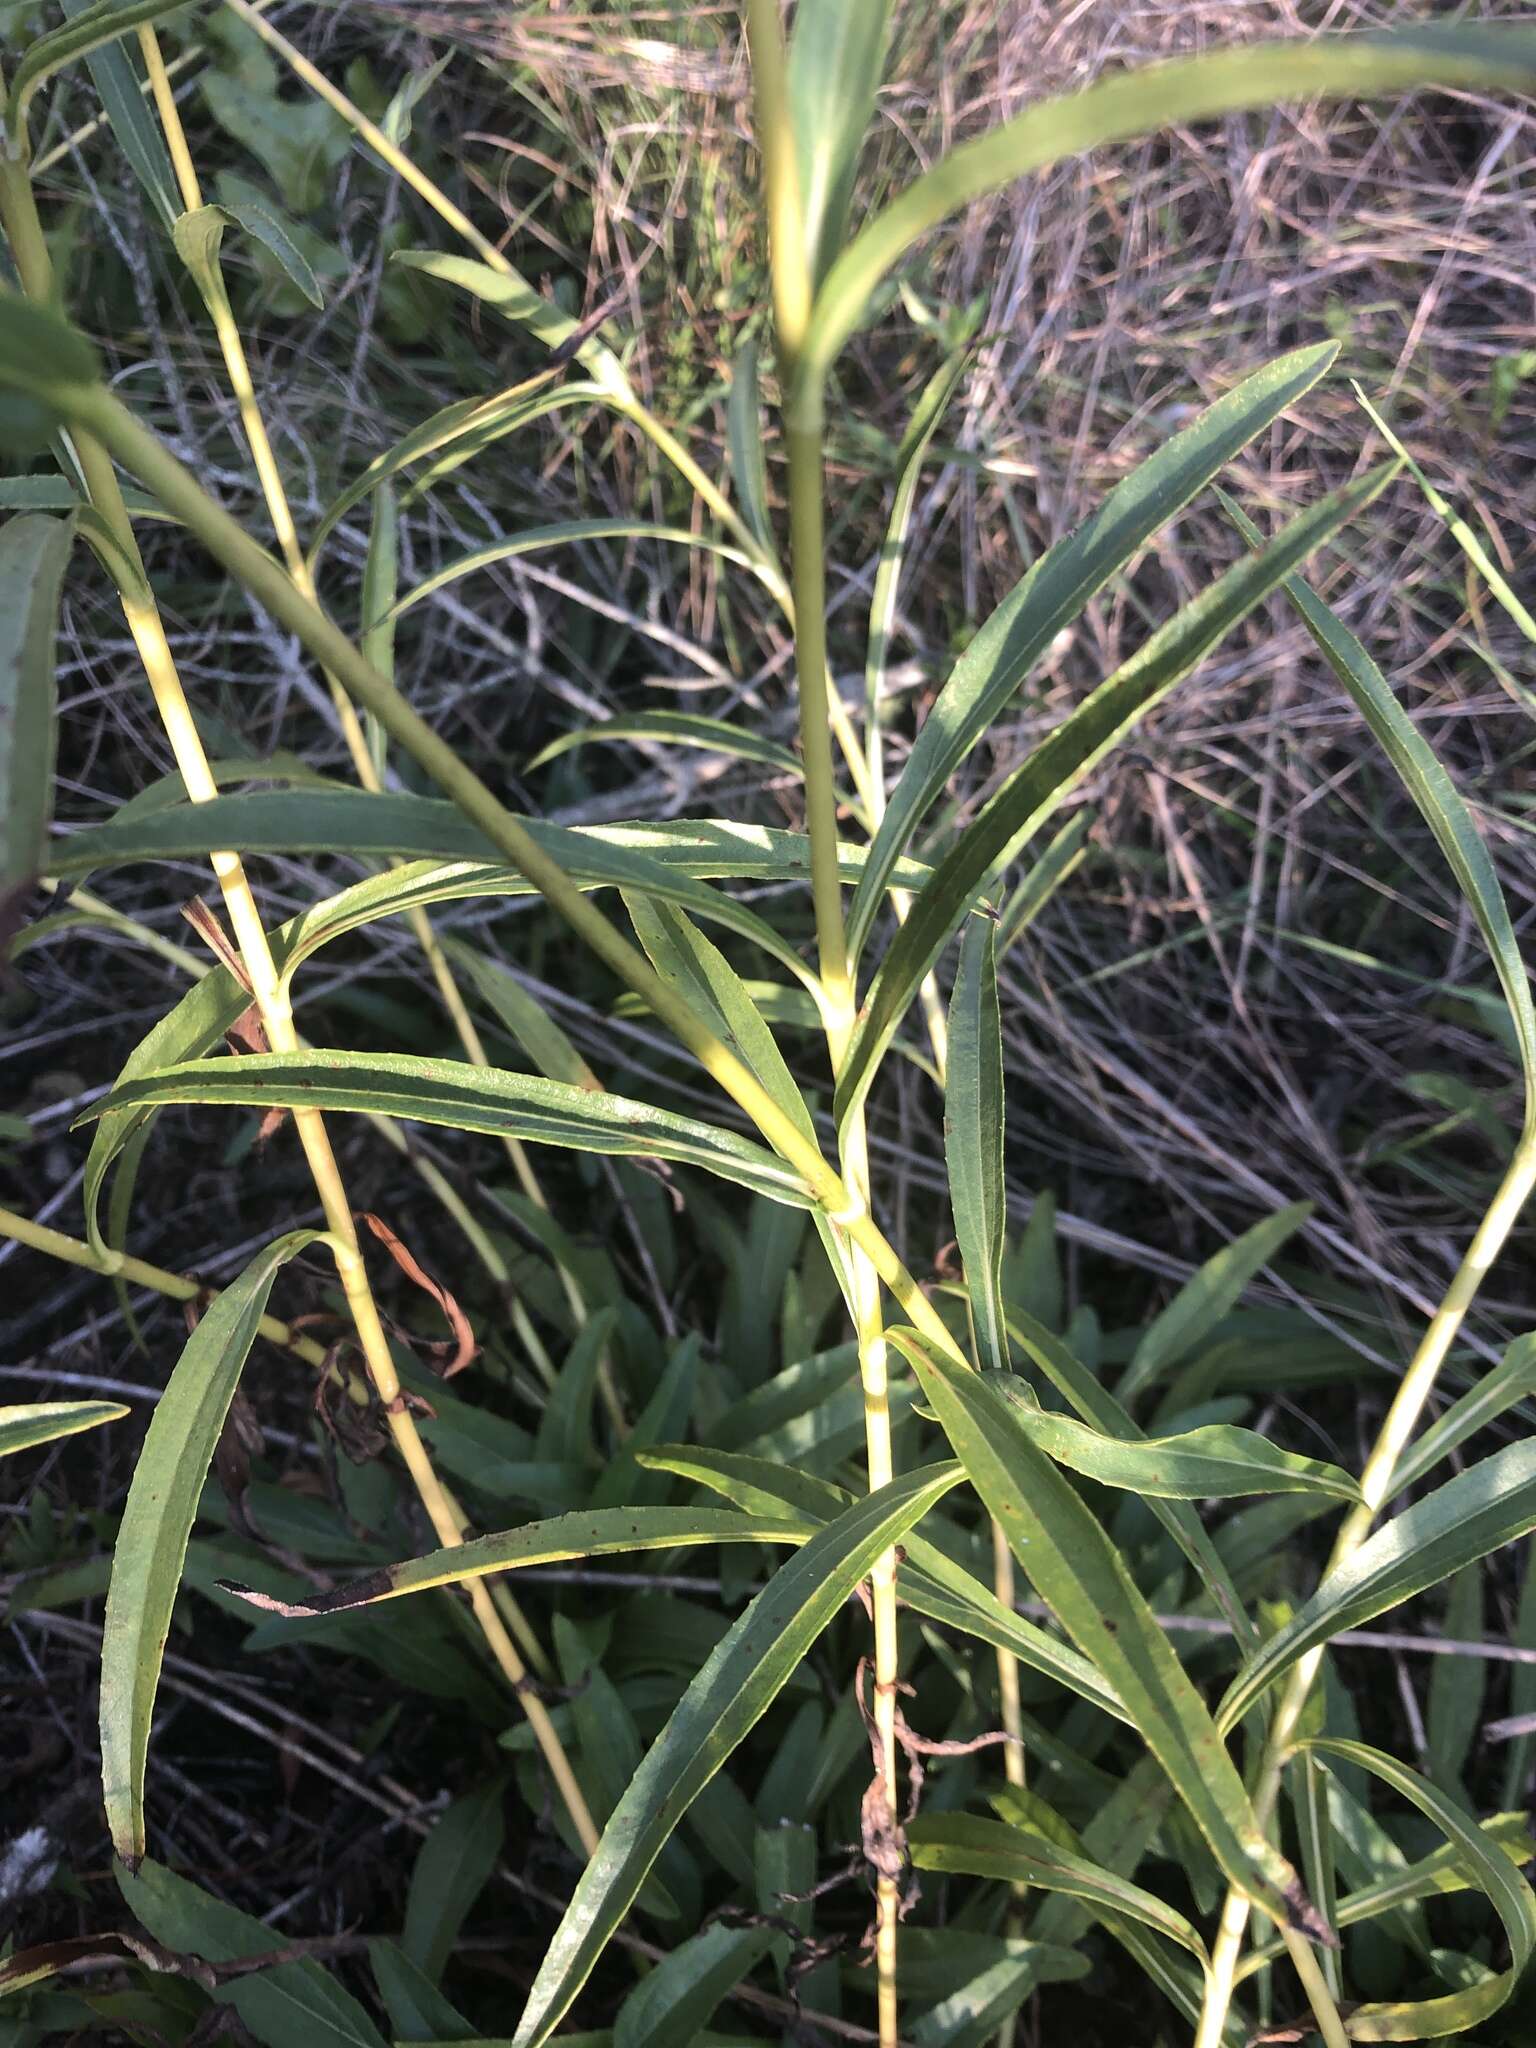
1082 1577
1011 1854
592 1532
1438 800
1491 1871
677 729
156 1526
492 1100
566 533
1034 790
40 1422
1488 1505
1203 1300
1141 101
1057 587
34 549
730 1694
89 30
529 1022
117 78
973 1138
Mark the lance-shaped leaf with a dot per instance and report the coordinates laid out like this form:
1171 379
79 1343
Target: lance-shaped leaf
930 1581
33 551
593 1532
1216 1462
1085 1582
1205 1298
1140 102
973 1138
973 1847
565 533
156 1527
491 1100
737 1684
1511 1380
118 80
87 31
1029 795
1438 800
744 445
676 729
1056 588
836 56
40 1422
1096 1405
1479 1510
1494 1873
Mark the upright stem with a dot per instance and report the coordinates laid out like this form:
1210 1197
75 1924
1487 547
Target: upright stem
18 215
1402 1419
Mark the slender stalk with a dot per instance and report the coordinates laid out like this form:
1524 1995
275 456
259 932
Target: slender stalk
1401 1421
210 280
18 214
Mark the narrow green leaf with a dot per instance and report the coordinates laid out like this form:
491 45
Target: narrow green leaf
565 533
1011 1854
415 2008
1216 1462
700 972
1457 1685
492 1100
1033 791
565 1427
677 729
973 1138
1080 1575
199 233
1511 1380
1143 100
40 1422
1493 1872
1056 588
535 1030
591 1532
1439 803
455 433
517 301
117 77
1486 1506
1203 1300
737 1684
157 1525
87 31
1066 852
670 2005
452 1867
291 2005
836 57
39 351
34 549
744 444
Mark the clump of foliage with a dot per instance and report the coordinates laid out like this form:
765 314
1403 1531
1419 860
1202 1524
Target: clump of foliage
1136 1749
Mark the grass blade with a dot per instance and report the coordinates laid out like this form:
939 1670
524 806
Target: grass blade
1028 796
157 1526
737 1684
1511 1380
677 729
744 443
561 535
973 1138
1488 1505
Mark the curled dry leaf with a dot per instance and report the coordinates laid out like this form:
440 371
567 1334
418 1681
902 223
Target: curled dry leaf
447 1358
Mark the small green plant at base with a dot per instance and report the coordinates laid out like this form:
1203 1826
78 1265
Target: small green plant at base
995 1457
